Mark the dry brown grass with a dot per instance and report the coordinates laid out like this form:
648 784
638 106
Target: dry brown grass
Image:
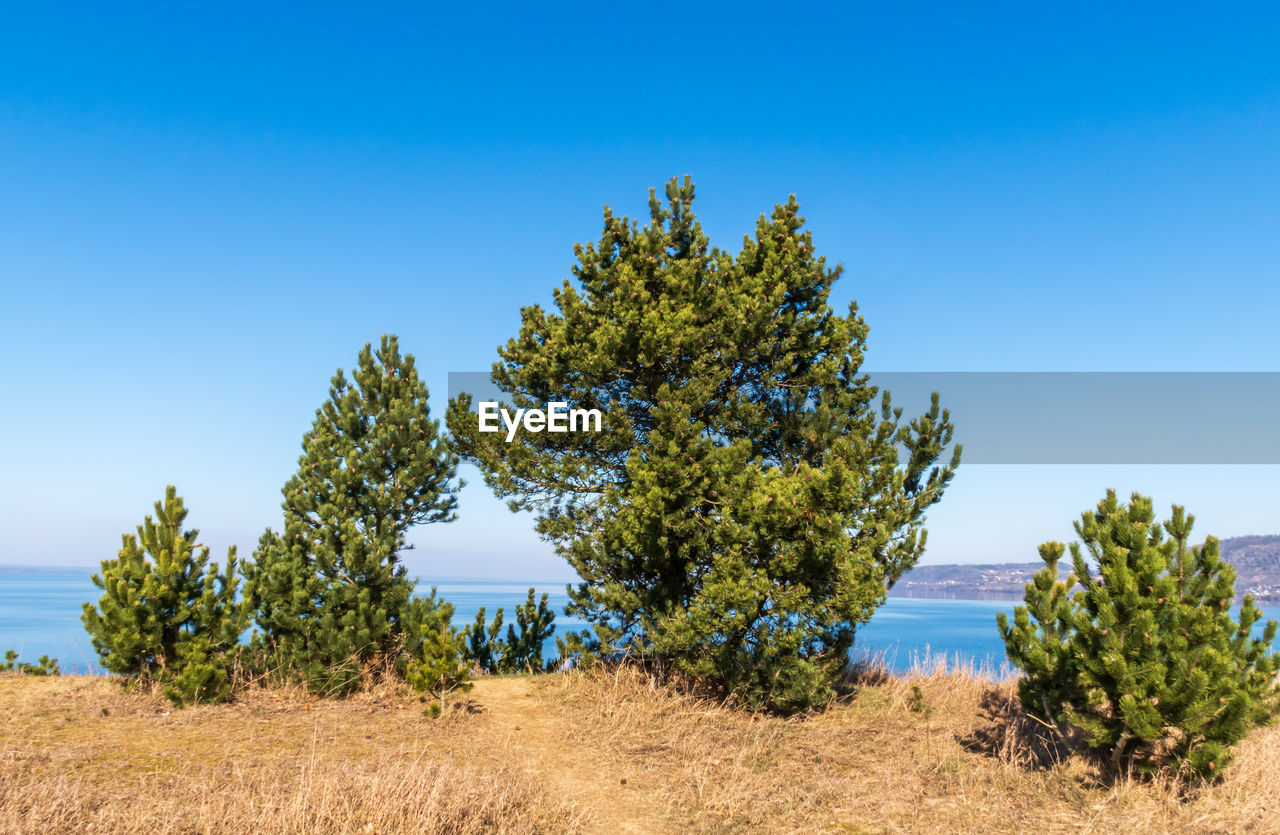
80 754
609 751
968 761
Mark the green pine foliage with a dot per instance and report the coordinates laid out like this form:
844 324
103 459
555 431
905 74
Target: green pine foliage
421 614
44 666
168 614
1144 663
437 667
331 590
483 646
518 651
523 650
750 498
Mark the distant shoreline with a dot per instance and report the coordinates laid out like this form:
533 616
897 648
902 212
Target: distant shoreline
1256 558
944 594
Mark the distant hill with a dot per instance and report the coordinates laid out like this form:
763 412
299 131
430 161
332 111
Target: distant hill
1257 562
1256 558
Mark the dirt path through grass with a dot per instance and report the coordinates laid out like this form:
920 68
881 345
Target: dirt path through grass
571 772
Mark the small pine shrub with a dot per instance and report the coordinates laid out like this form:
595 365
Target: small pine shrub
523 649
576 650
917 701
484 649
168 614
519 651
1144 664
44 666
437 668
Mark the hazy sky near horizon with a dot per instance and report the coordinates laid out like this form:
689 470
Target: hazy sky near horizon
203 214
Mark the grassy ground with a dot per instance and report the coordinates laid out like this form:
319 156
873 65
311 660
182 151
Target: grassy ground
603 753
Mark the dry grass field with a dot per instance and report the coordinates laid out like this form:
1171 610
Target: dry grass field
580 753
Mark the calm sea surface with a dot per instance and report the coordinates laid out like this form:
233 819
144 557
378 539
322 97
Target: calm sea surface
40 615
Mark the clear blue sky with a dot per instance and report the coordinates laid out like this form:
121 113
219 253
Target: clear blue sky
204 213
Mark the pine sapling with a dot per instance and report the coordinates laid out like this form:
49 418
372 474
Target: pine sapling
438 669
1145 664
168 613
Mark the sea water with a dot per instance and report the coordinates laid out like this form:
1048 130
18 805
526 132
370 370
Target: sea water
40 612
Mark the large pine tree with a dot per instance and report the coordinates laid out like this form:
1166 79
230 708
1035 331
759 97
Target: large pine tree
744 507
331 591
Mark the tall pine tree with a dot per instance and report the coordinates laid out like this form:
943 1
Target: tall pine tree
331 591
746 504
1144 663
168 613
